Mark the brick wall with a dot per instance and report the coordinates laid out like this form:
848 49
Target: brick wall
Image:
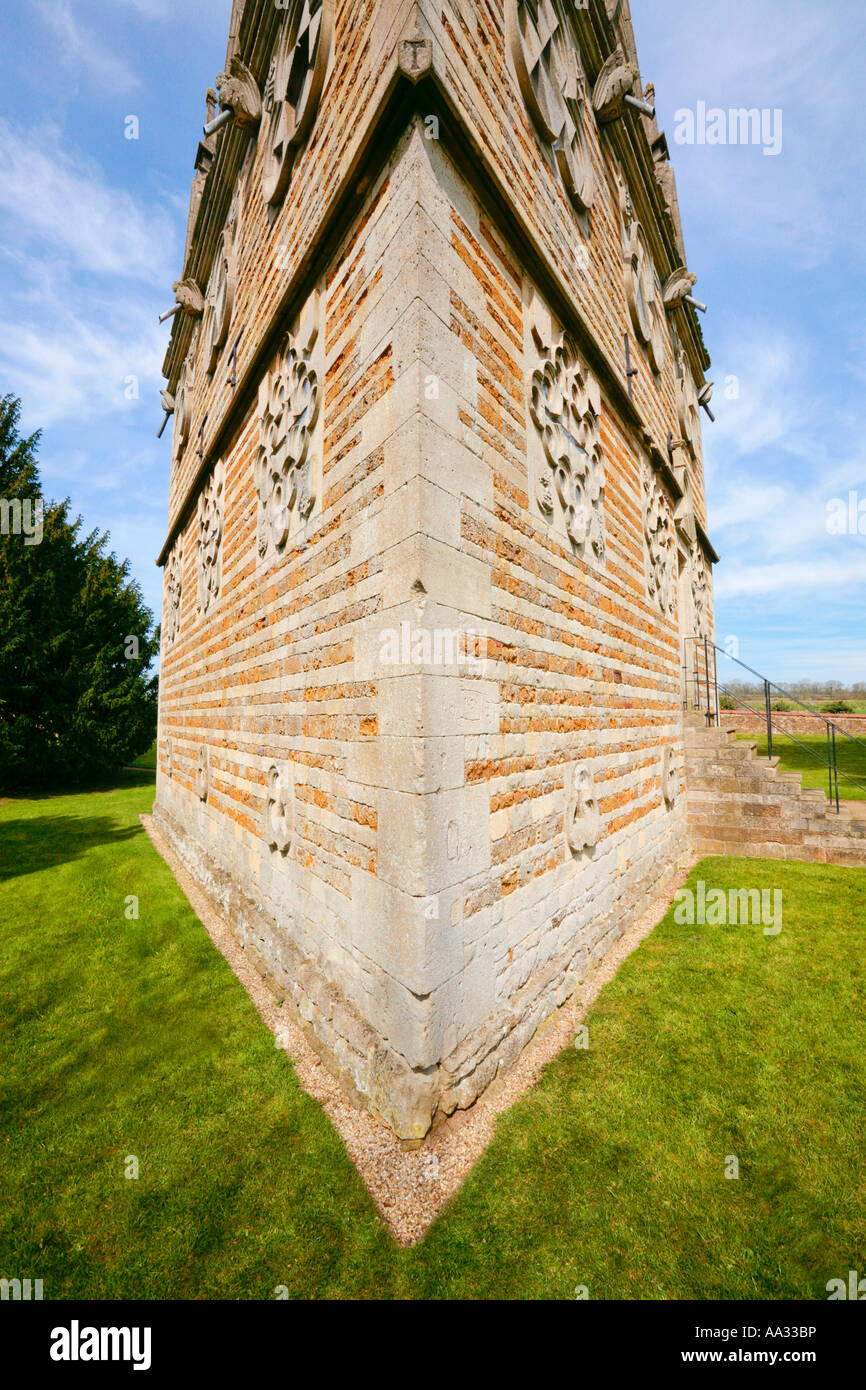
799 722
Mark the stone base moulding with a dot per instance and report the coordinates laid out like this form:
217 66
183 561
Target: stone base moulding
412 1186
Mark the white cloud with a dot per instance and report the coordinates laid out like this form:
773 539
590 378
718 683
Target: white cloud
82 49
779 54
65 366
65 201
795 576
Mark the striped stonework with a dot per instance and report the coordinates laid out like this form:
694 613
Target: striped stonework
421 727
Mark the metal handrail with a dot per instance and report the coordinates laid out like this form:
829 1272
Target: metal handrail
714 711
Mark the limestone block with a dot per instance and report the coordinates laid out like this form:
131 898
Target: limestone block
431 842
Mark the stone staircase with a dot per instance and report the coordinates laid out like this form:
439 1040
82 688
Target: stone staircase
742 804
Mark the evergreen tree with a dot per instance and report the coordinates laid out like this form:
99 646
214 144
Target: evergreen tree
77 700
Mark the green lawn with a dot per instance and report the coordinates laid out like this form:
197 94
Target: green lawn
147 759
850 759
132 1037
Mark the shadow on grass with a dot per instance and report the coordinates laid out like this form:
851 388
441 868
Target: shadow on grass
27 846
124 780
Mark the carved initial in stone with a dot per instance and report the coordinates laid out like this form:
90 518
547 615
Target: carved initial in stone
278 810
288 411
659 545
173 594
210 536
551 81
582 816
294 89
643 289
565 408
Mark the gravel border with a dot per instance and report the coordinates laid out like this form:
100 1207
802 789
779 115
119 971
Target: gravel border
412 1187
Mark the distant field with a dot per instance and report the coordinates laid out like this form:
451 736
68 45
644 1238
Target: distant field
147 759
850 759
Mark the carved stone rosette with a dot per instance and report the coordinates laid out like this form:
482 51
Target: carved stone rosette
642 286
582 816
565 408
701 593
289 447
173 594
659 545
210 539
553 86
183 407
221 297
294 89
279 810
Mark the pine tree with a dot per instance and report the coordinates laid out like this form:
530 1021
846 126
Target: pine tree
77 700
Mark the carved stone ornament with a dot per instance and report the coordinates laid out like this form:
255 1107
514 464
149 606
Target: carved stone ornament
701 592
210 539
670 775
183 408
189 297
684 511
224 282
415 52
279 812
551 80
643 290
202 775
678 284
173 594
659 545
239 91
565 408
688 409
294 89
582 816
614 82
289 403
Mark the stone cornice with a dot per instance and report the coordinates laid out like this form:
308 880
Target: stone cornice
259 23
634 140
706 544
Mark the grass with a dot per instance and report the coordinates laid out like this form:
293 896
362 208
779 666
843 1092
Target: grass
147 759
125 1036
850 759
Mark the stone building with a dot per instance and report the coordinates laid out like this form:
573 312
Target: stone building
436 522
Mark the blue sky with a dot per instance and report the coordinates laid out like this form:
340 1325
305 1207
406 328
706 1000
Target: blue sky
91 237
